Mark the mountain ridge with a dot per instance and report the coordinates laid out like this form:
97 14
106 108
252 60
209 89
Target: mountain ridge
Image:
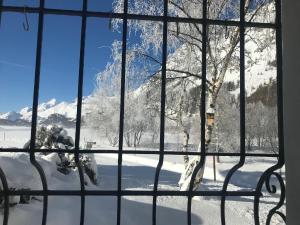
63 113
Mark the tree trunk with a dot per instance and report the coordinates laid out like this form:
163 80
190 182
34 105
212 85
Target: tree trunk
216 85
186 138
258 142
249 144
127 139
185 180
135 139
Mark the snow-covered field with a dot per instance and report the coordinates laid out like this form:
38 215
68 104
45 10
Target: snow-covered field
17 136
138 173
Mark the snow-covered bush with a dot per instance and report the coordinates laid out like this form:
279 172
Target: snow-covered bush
21 175
55 137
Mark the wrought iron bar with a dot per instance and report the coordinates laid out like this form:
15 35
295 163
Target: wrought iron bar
79 109
129 193
266 176
2 174
68 12
1 4
242 110
6 196
203 146
122 110
35 110
141 152
162 111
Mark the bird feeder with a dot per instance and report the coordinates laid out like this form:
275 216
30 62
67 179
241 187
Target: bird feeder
210 116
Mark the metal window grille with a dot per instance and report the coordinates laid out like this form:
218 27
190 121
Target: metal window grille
165 18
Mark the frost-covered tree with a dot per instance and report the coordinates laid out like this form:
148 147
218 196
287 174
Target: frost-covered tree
184 58
261 127
103 117
271 128
139 117
227 126
255 125
135 123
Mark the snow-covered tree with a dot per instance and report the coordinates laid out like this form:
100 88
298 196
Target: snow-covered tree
255 125
271 128
55 137
261 127
135 123
103 117
184 58
226 134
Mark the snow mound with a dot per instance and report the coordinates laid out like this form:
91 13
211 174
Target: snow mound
21 174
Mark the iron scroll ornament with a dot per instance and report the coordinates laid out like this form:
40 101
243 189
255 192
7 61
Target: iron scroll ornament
272 189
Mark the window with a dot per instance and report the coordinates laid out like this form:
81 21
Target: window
202 20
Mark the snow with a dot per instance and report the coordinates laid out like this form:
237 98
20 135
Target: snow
13 136
51 107
12 116
17 136
67 109
135 210
138 174
47 105
261 72
25 110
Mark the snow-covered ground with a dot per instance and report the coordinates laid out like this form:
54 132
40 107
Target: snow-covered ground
17 136
138 173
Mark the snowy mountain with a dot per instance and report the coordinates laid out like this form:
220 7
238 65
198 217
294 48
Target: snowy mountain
11 116
50 112
260 64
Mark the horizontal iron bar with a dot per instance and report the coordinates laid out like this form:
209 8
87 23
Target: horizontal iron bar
128 193
138 152
68 12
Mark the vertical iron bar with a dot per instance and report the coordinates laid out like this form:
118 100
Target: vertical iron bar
2 174
122 105
162 111
281 159
1 4
35 109
79 109
6 197
279 83
242 111
202 112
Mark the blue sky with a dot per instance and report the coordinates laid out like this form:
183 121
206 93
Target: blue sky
60 55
